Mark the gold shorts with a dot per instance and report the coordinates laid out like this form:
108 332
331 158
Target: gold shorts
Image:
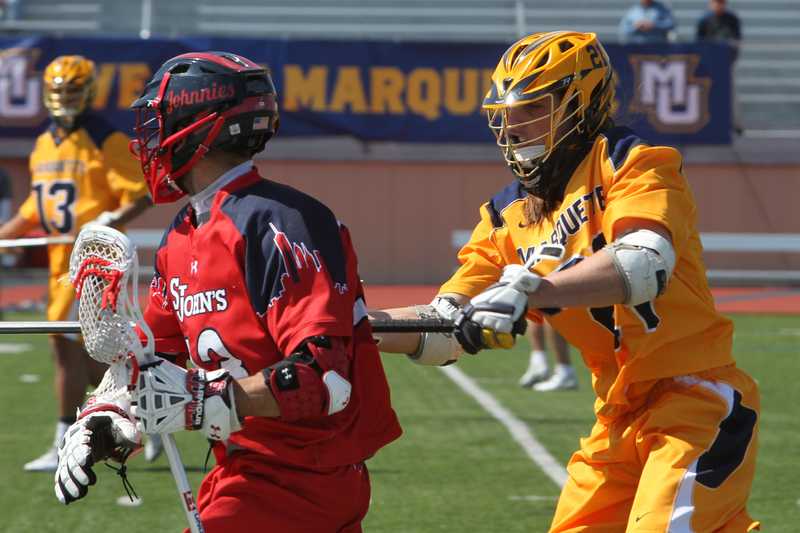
685 462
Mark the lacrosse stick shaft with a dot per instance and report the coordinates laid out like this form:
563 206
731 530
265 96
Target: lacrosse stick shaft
35 241
12 327
421 325
413 325
182 483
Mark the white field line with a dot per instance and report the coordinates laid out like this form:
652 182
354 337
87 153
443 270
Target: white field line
14 347
520 431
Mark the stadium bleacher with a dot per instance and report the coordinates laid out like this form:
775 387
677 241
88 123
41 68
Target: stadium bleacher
766 76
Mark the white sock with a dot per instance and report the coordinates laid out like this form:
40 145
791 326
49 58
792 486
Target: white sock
538 360
564 369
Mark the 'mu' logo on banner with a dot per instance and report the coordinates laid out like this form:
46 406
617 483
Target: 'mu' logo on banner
667 91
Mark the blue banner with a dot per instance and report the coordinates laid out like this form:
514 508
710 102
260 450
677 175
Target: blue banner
382 91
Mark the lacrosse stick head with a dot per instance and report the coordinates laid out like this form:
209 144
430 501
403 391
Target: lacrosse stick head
104 270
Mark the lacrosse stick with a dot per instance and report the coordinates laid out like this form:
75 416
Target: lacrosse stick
104 270
35 241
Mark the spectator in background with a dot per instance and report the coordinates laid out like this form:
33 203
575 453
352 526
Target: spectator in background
537 375
648 22
720 25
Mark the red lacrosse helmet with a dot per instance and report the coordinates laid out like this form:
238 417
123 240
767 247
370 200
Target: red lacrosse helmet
197 102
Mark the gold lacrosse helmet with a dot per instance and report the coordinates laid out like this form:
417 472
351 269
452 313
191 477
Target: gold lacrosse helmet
549 90
68 87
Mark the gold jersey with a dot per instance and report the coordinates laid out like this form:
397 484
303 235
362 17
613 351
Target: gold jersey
626 348
73 180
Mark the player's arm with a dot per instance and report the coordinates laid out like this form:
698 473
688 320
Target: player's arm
26 219
626 273
429 348
16 227
310 384
632 270
647 223
481 265
313 382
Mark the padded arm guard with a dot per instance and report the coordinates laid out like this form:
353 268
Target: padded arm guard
437 349
313 381
645 261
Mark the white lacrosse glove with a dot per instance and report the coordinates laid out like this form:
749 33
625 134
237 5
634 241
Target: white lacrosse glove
103 431
437 349
494 317
106 218
169 398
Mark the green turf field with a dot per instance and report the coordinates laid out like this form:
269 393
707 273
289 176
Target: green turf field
456 469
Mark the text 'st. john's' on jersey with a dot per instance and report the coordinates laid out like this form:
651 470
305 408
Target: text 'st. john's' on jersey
270 268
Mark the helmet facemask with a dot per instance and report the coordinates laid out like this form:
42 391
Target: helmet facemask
165 159
529 132
65 100
154 151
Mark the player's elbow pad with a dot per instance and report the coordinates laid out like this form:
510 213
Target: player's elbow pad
314 381
645 261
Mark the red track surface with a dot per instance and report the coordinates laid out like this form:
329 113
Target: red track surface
780 300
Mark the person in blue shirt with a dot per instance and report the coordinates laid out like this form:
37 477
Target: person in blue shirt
648 22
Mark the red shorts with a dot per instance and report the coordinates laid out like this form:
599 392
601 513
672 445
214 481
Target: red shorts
249 492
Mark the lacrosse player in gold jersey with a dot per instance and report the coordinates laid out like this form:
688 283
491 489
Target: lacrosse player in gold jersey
673 447
81 171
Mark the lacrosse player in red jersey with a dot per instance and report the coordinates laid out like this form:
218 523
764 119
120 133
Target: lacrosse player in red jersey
257 284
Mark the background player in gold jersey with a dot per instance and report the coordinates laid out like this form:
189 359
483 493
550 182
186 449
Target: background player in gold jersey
81 171
674 443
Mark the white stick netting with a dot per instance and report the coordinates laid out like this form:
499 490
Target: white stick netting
104 270
114 386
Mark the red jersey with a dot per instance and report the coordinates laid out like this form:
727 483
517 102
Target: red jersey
270 268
